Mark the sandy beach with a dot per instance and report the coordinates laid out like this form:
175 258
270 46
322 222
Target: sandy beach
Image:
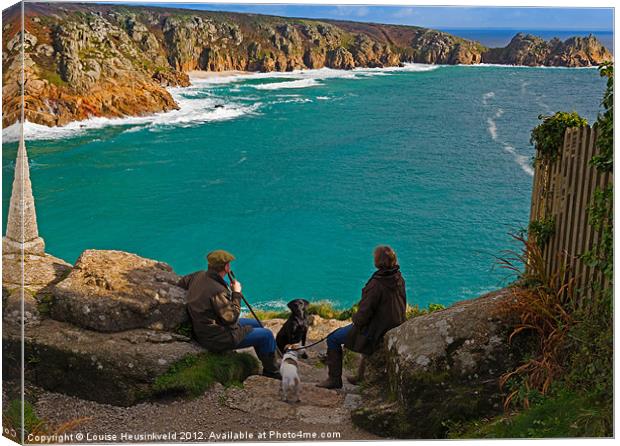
200 74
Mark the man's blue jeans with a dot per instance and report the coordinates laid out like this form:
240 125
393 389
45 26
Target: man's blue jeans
338 337
260 338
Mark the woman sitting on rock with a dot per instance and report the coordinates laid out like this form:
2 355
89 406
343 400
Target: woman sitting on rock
382 307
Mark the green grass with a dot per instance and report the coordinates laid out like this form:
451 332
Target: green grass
194 374
12 417
415 310
326 310
323 309
186 329
564 414
52 77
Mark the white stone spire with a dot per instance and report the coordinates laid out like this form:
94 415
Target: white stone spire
21 227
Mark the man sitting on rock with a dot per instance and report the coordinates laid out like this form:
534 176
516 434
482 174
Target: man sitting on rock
214 308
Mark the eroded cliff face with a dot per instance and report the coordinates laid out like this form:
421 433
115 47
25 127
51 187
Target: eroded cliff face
109 60
526 49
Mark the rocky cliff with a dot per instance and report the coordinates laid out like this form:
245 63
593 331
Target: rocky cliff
84 60
526 49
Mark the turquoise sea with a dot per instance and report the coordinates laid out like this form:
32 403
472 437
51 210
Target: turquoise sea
301 175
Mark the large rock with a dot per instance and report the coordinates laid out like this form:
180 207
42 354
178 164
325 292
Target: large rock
40 273
526 49
440 368
115 291
113 368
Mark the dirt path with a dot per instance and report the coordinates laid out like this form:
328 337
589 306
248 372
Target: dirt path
252 413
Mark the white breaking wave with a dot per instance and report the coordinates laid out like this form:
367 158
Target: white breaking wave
522 160
525 67
191 112
487 96
302 83
293 101
316 74
407 68
492 125
492 128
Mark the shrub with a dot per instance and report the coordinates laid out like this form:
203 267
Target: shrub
542 230
548 136
415 310
565 414
545 308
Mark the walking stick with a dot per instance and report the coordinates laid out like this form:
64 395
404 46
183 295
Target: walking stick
231 277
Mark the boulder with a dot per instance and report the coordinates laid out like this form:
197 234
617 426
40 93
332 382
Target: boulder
114 291
439 368
112 368
40 273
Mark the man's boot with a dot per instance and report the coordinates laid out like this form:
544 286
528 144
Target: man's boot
270 367
334 370
357 379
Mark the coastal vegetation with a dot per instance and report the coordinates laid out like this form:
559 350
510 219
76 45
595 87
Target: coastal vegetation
548 136
326 310
35 429
564 384
87 60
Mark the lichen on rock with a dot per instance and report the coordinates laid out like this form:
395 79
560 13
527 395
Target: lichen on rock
115 291
440 368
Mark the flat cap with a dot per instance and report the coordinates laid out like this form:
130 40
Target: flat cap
219 257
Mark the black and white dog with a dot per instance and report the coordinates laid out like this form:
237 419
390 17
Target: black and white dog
295 329
291 384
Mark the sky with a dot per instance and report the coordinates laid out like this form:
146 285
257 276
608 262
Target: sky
592 19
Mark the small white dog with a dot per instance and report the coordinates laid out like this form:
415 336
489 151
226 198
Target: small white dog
291 384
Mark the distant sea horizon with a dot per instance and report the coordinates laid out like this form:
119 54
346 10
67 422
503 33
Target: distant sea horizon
500 37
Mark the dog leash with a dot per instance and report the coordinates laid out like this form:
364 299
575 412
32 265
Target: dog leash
311 345
231 277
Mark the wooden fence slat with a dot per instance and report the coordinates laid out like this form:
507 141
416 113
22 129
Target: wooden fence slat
583 244
590 241
564 190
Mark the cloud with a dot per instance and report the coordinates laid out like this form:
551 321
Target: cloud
352 11
403 13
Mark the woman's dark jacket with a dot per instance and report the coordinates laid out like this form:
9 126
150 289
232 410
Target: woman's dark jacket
382 308
214 310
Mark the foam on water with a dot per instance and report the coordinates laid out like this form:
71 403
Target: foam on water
487 96
190 112
525 67
522 160
492 125
302 83
197 104
250 171
317 74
